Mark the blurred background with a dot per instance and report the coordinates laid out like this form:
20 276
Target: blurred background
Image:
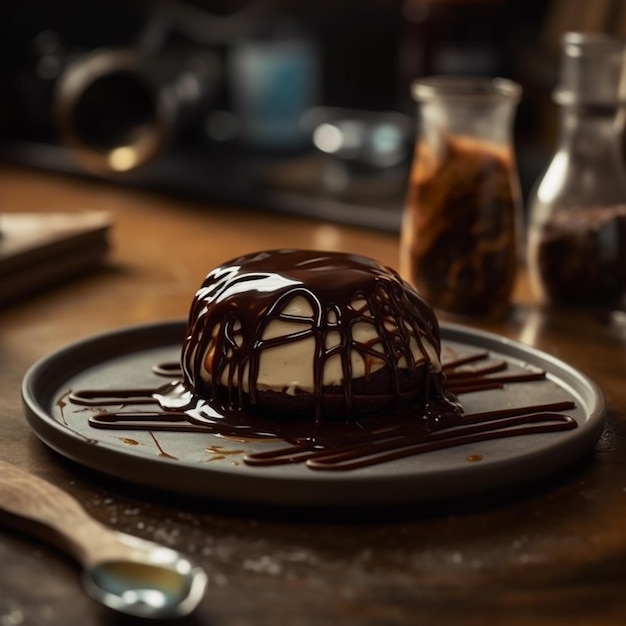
299 106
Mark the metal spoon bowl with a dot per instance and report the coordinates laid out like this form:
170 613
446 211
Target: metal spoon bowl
155 582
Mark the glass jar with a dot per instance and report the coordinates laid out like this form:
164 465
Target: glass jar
462 219
577 225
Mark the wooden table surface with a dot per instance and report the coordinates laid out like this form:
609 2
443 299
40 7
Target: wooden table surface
552 553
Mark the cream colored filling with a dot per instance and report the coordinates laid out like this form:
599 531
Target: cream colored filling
289 366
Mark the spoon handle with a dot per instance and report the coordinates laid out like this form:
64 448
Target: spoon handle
35 506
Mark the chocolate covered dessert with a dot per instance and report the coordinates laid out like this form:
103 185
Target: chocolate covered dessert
331 354
326 335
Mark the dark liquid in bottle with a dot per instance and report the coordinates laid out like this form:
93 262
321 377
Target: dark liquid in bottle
581 256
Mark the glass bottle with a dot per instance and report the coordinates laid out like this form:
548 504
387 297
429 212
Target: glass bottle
462 219
577 226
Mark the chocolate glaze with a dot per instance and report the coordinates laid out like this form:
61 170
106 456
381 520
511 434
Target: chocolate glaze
238 300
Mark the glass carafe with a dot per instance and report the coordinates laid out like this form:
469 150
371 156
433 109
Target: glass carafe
577 226
461 226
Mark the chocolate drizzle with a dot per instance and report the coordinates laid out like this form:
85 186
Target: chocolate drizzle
215 387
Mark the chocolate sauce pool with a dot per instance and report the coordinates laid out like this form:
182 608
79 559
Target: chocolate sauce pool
333 445
226 339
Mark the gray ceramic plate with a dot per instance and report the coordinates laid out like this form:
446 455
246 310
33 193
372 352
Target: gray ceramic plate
207 466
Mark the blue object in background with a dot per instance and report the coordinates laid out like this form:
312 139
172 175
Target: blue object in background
274 84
